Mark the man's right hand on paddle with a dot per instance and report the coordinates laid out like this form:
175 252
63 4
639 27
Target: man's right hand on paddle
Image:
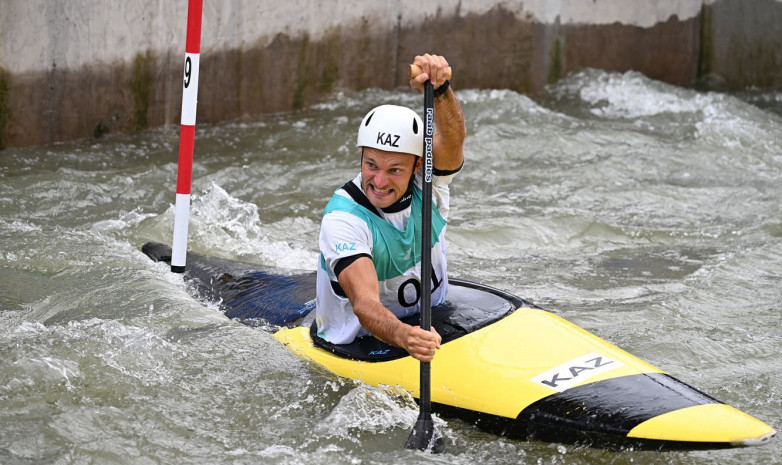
421 344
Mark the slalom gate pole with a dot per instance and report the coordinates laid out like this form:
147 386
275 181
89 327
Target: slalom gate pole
187 135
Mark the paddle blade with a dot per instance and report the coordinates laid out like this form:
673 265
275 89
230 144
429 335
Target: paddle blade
422 437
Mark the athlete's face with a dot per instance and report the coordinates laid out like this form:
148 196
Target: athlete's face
386 175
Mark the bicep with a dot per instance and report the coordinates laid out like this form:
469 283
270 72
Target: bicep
359 281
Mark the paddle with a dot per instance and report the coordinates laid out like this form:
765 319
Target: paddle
421 436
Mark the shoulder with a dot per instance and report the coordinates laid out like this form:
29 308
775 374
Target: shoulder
343 235
340 222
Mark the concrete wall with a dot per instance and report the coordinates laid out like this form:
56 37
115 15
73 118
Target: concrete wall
81 68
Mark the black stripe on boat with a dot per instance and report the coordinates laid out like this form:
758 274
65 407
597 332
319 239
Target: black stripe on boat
616 405
598 414
255 294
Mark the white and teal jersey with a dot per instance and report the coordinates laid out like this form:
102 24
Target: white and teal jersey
393 241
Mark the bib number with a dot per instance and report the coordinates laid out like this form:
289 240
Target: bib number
410 291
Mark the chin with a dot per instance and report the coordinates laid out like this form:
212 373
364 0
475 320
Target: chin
382 204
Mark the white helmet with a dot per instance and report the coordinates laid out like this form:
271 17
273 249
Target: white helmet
392 128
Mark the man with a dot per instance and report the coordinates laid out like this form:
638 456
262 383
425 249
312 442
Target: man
369 271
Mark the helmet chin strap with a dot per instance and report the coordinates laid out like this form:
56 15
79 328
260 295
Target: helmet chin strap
403 202
412 176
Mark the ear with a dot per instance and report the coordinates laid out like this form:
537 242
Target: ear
418 162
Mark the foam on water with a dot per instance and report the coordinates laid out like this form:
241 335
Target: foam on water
227 227
221 221
716 118
369 409
631 95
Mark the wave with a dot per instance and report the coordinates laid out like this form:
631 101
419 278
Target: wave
231 228
720 119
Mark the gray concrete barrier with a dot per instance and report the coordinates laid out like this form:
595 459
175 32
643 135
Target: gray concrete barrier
82 68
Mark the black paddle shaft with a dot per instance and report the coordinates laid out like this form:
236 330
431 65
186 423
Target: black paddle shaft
426 223
422 433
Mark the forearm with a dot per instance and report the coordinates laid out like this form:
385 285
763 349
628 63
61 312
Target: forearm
385 326
379 321
450 132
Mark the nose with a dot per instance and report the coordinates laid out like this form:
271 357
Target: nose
380 179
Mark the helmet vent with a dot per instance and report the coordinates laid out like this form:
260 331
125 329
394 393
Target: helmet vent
415 126
369 119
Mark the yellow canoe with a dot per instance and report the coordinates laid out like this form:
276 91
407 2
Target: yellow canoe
505 365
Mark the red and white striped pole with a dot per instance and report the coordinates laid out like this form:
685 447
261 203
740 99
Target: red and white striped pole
187 136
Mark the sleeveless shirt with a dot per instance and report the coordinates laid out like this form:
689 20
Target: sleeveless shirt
393 241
